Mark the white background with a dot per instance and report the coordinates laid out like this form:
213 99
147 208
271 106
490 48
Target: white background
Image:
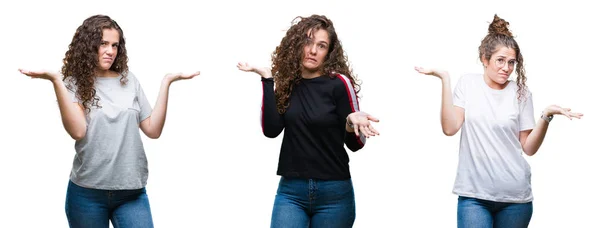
212 167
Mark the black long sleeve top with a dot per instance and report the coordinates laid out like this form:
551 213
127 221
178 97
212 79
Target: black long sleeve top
315 127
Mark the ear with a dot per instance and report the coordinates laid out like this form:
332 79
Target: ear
484 61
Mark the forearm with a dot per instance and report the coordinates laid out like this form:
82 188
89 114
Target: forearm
535 138
159 113
448 115
271 120
72 116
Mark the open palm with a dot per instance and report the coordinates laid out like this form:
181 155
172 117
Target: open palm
181 76
263 72
431 71
557 110
43 74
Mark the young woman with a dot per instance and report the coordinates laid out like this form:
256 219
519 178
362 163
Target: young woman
103 106
496 116
315 101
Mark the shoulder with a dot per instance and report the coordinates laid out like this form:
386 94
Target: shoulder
129 75
470 77
341 81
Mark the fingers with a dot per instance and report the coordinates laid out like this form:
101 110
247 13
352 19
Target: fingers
565 113
419 69
367 130
422 70
244 66
575 115
373 130
194 74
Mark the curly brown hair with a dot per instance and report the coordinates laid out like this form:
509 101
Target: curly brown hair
81 60
499 35
286 65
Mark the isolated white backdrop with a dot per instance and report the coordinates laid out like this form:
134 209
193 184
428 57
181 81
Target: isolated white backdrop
212 167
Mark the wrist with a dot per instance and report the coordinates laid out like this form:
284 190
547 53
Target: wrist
546 116
547 112
56 81
167 81
349 122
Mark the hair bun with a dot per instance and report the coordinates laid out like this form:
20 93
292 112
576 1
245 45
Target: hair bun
499 26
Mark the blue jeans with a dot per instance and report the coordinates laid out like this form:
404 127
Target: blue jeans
313 203
91 208
477 213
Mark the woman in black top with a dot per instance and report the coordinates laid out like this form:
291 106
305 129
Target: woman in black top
315 101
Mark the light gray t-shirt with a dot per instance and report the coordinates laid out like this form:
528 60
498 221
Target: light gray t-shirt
491 164
111 155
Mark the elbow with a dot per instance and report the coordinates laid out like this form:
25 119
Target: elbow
529 152
78 135
355 149
154 135
271 131
449 132
270 134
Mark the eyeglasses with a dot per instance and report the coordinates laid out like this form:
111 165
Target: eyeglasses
500 62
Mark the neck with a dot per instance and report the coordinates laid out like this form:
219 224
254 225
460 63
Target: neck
310 74
106 73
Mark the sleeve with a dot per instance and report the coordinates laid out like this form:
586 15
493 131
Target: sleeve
145 108
272 122
526 116
346 103
459 95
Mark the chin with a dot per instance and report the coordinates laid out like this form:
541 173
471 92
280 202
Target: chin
105 67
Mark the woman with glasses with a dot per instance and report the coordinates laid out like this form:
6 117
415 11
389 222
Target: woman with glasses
496 116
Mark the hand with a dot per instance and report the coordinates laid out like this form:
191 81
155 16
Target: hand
557 110
435 72
180 76
362 123
43 74
263 72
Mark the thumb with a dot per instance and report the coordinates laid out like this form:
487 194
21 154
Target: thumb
372 118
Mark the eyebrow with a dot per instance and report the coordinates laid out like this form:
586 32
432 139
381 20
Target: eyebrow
502 56
324 42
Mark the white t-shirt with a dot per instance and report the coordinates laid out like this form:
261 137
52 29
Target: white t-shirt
491 164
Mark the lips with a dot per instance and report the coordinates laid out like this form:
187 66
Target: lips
311 59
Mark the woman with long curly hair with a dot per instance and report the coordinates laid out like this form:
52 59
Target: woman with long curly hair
103 106
315 101
493 181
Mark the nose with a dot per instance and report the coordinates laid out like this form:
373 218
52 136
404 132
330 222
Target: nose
111 50
506 67
313 49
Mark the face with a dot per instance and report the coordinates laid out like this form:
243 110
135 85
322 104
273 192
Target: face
315 50
500 66
107 52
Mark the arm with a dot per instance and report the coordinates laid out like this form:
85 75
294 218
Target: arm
357 124
531 140
72 114
451 116
272 122
153 125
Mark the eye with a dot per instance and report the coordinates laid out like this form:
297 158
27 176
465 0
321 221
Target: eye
512 62
500 61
